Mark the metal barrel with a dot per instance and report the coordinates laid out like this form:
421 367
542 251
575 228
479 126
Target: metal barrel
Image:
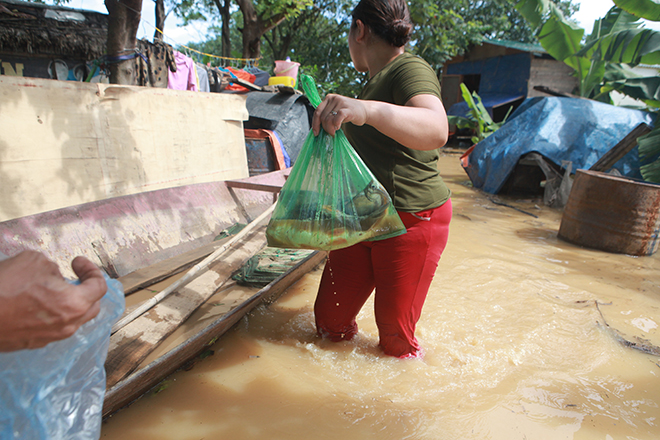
612 213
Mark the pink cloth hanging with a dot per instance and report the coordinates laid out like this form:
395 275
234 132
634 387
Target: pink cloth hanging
184 78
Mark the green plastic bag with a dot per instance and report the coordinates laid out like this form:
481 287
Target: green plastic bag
331 200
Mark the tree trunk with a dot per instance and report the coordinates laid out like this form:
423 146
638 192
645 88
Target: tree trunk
226 31
123 22
251 29
254 27
223 9
160 20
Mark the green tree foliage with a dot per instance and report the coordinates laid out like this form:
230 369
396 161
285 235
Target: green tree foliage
258 17
214 44
317 38
445 28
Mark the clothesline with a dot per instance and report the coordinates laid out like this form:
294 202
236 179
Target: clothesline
247 61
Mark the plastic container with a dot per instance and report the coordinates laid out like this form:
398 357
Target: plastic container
287 68
281 80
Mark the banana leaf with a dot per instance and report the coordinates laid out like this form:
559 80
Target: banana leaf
646 89
648 9
632 46
649 153
534 11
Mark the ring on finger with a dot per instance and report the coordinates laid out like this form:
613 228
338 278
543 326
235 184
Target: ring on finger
333 113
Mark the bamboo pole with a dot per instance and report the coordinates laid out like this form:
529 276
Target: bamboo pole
147 305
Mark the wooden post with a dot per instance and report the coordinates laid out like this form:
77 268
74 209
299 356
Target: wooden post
608 160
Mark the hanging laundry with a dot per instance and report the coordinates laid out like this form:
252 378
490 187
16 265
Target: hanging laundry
153 72
261 76
238 73
217 80
202 78
184 77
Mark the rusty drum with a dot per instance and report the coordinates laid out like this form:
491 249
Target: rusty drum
613 214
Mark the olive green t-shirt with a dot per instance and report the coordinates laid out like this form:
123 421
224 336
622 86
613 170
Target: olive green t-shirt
410 176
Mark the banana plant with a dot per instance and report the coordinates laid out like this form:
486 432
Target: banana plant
647 9
478 120
601 60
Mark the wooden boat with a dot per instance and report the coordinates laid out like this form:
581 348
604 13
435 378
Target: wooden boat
145 239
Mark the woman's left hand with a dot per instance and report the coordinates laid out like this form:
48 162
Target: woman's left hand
337 109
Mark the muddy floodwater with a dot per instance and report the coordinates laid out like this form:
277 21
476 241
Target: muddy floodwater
524 337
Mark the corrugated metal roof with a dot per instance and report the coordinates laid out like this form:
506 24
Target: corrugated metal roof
525 47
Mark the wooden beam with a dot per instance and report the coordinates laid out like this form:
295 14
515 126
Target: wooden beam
130 345
140 382
150 275
608 160
554 92
253 186
246 84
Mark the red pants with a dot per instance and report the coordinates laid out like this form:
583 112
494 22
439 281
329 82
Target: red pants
400 269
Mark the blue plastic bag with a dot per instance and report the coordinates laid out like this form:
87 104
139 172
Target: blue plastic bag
56 392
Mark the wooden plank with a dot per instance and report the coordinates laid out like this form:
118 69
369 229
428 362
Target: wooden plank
246 84
254 186
192 273
608 160
105 153
135 385
554 92
135 231
147 276
132 343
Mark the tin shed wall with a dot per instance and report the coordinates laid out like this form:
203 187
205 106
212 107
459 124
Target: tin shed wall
553 74
500 75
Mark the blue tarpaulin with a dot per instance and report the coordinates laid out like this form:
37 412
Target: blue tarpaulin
561 129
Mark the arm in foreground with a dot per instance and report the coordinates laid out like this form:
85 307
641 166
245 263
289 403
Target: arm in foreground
421 124
38 306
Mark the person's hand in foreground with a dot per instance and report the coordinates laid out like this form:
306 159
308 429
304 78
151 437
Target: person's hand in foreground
38 306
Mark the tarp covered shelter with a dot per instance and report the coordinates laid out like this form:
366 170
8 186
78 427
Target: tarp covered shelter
289 115
560 129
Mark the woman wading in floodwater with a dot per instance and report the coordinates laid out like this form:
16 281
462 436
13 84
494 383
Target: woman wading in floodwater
396 125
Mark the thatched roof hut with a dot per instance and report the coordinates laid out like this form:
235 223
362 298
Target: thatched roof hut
30 29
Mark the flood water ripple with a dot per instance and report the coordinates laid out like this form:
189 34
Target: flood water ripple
519 336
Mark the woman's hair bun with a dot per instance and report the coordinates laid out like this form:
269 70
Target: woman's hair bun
400 33
389 19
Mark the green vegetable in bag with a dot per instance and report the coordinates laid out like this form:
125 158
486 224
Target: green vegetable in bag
331 200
